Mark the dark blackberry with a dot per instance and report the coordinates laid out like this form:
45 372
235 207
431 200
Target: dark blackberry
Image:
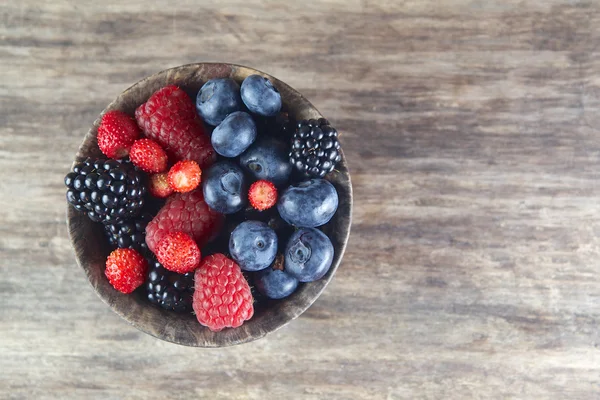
169 290
315 148
109 191
129 234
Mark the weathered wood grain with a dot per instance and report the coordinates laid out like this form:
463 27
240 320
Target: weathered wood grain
470 128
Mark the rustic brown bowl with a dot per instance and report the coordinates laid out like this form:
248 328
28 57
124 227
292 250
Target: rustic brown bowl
91 247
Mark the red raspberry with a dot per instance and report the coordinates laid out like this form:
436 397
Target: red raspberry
170 118
262 195
178 252
148 156
116 134
222 297
185 212
159 186
126 269
163 97
184 176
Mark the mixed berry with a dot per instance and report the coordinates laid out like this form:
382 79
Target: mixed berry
212 224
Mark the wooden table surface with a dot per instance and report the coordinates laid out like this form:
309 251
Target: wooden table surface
471 131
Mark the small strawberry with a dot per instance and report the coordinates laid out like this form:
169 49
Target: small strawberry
262 195
116 134
178 252
148 156
159 186
185 176
222 297
126 270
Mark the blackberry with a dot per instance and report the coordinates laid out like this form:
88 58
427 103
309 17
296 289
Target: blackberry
109 191
315 148
169 290
129 234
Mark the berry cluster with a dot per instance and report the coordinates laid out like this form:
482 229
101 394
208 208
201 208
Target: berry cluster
108 191
129 234
236 207
169 290
315 148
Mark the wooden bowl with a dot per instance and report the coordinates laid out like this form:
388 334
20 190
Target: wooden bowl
92 248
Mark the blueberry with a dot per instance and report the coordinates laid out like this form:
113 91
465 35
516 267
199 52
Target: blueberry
253 245
224 187
260 96
268 159
275 284
234 135
308 255
309 204
217 99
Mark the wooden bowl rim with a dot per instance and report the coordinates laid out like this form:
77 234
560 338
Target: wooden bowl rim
75 219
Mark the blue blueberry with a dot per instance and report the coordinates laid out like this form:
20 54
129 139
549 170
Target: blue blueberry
275 283
308 204
224 187
268 159
308 255
253 245
260 96
218 98
234 135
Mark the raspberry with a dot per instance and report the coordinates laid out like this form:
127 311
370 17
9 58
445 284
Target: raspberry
163 97
222 297
116 134
170 118
262 195
159 186
148 156
178 252
184 176
126 270
185 212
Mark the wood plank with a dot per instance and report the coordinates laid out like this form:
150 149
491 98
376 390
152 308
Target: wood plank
470 129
